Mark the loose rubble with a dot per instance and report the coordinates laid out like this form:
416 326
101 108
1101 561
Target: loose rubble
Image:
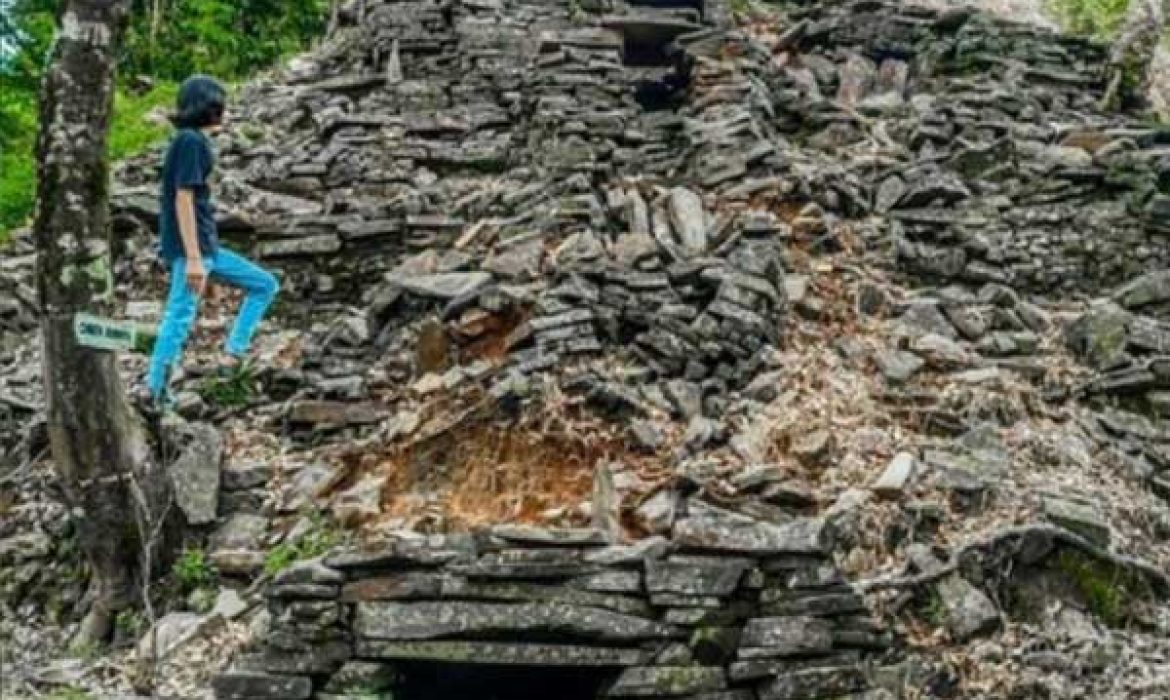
842 325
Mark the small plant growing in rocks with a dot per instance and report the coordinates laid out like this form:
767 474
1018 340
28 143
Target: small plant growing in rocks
192 570
232 391
129 624
322 536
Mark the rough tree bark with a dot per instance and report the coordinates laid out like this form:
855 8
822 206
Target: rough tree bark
97 443
1132 53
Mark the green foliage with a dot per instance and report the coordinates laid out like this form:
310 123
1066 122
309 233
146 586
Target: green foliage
231 391
227 38
935 611
130 133
135 127
322 536
192 570
130 624
1099 18
1110 591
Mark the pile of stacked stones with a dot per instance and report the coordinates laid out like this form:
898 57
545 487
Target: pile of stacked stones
560 115
1125 338
728 607
598 170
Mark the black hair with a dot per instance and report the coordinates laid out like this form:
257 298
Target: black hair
201 103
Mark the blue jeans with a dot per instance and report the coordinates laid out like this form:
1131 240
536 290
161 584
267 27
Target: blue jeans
182 306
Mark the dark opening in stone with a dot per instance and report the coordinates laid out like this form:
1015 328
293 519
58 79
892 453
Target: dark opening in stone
662 93
431 680
640 52
658 82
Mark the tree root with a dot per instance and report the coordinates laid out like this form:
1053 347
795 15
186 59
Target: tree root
1054 534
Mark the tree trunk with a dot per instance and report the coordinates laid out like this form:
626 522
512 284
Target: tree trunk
97 443
1128 78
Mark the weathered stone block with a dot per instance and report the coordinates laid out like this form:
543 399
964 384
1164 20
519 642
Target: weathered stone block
435 620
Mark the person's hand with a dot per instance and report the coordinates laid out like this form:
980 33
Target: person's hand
196 276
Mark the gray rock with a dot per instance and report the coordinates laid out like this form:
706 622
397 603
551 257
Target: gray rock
1150 288
657 513
654 547
809 683
261 686
713 529
897 474
898 366
359 502
240 531
229 604
606 502
362 677
334 413
941 352
169 632
324 244
503 653
305 485
700 576
24 547
247 475
444 285
659 681
967 610
926 317
195 474
1099 336
1081 518
785 636
433 620
527 535
689 220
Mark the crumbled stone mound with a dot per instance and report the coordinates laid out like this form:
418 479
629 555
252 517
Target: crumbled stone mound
831 268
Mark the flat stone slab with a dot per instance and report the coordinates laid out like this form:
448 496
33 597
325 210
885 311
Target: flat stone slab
435 620
334 413
392 555
503 653
320 244
261 686
897 474
714 529
527 564
444 285
814 683
785 636
1082 519
528 535
656 681
698 576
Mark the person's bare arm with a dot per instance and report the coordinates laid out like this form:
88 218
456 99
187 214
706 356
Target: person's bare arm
185 210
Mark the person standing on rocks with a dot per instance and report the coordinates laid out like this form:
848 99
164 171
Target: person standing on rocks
189 243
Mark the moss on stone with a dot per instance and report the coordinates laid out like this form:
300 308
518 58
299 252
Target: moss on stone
1109 591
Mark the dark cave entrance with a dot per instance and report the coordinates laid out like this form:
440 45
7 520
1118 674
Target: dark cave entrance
659 78
435 680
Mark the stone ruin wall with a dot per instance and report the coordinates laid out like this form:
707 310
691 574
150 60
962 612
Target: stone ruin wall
729 608
628 176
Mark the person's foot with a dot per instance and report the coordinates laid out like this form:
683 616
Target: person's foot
147 403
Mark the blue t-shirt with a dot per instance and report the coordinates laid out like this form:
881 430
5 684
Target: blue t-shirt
187 165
